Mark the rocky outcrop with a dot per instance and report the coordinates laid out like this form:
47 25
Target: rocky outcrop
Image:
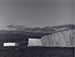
65 38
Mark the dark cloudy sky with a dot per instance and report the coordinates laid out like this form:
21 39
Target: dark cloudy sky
36 12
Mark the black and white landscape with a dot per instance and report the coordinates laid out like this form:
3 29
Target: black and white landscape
34 28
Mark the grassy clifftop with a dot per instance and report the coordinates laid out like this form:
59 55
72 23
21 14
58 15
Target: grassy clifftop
47 29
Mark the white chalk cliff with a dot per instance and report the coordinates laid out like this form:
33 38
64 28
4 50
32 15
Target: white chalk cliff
61 38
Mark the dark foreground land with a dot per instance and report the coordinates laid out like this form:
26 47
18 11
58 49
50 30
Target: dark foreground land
38 52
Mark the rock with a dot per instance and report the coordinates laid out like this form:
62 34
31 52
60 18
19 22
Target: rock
59 39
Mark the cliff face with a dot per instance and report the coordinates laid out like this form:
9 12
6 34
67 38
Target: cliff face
59 39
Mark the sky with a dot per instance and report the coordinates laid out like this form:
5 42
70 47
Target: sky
34 13
74 11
